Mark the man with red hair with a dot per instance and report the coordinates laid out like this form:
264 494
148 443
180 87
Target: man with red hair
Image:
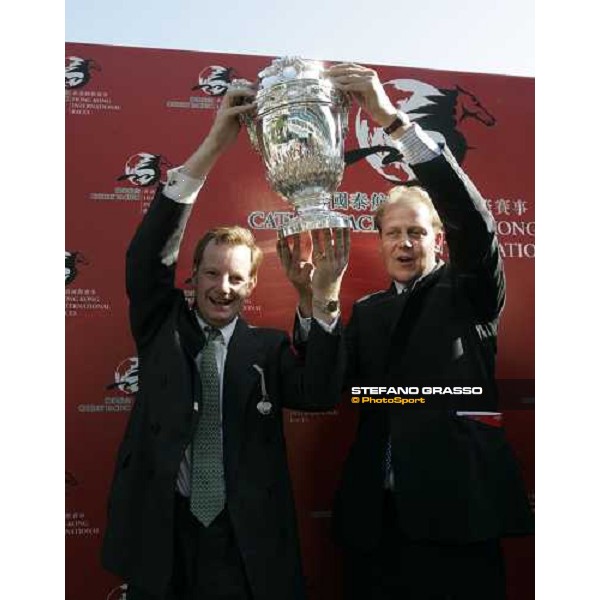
201 504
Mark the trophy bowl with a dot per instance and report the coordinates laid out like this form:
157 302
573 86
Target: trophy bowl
299 129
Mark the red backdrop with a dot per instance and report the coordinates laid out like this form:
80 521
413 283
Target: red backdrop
131 113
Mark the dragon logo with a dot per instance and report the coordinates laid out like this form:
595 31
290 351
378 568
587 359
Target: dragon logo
72 261
126 376
77 71
144 169
214 80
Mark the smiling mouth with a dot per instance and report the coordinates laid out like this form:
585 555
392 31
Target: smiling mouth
221 302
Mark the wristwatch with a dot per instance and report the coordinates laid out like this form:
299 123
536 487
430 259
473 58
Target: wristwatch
401 120
328 306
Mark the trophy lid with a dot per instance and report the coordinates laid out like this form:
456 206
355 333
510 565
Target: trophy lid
289 68
292 80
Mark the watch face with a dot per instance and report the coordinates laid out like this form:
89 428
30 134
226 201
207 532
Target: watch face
332 305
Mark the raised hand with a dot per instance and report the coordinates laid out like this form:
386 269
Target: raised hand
226 125
223 132
364 86
318 276
330 259
297 270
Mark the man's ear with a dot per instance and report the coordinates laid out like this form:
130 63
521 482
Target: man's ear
251 285
439 242
380 244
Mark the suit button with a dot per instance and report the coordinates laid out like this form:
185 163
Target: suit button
155 428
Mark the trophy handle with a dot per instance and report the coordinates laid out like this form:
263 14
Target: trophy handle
344 124
346 103
251 129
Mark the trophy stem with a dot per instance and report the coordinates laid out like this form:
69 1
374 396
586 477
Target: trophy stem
312 212
308 201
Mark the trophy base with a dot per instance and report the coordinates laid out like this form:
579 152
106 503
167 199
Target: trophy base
316 219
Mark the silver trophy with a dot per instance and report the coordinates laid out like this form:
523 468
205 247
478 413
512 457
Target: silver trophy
299 129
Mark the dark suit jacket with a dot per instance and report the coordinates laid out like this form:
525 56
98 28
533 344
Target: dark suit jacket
455 478
138 543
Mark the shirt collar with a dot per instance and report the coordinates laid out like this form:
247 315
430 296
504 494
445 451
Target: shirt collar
400 287
404 287
226 331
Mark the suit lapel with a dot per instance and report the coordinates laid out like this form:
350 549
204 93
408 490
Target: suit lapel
191 335
388 315
192 340
411 305
239 381
385 315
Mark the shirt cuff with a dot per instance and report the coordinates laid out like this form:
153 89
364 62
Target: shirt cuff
416 145
180 187
305 323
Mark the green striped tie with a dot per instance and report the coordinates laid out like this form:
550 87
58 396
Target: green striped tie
208 482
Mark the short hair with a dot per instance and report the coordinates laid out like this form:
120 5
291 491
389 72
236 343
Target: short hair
408 195
231 236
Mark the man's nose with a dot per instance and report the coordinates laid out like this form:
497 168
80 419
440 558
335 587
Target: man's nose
224 284
405 242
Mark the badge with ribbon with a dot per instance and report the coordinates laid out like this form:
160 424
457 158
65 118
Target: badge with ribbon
264 407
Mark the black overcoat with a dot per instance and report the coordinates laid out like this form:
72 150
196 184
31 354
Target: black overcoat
456 478
138 543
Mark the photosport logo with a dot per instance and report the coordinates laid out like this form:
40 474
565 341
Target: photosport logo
438 111
78 71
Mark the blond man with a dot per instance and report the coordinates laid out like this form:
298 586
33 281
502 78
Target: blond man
425 495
